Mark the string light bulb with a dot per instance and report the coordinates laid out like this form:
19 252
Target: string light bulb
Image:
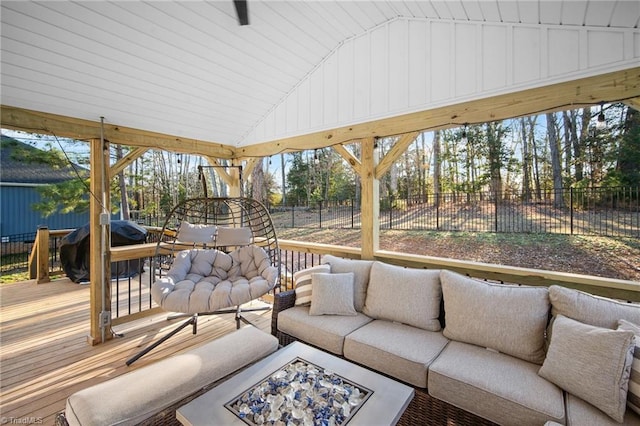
601 123
464 134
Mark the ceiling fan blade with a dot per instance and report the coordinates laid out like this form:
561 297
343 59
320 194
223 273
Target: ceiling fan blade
243 11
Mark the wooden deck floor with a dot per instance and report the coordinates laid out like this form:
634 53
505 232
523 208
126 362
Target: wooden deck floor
45 357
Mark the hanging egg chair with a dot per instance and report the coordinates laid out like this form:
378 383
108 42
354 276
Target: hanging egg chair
214 255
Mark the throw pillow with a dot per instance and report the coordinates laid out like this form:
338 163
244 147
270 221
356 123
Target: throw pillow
592 363
302 283
332 294
406 295
189 233
361 270
233 236
506 318
633 394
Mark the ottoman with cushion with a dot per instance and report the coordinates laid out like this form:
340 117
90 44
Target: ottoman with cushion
140 394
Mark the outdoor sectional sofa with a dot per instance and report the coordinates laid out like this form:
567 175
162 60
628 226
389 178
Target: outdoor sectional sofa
475 352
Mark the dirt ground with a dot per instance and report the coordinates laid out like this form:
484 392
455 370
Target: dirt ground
591 255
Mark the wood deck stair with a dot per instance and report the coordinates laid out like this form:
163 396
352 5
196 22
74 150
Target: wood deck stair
45 357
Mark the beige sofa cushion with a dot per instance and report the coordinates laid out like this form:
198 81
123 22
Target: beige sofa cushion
498 387
141 393
506 318
590 309
332 294
581 413
592 363
633 393
360 269
406 295
401 351
324 331
302 280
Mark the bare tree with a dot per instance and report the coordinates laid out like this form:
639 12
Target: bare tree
437 167
495 156
531 128
526 161
579 144
283 176
258 191
552 132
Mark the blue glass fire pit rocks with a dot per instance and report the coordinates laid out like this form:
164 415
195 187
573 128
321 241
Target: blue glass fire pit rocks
300 393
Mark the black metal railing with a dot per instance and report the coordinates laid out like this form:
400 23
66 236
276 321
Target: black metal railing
15 250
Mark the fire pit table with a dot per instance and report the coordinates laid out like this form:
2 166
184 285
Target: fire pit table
301 385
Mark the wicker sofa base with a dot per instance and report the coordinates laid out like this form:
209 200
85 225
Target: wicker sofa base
423 409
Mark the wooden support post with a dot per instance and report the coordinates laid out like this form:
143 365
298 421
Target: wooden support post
370 201
42 255
235 186
99 244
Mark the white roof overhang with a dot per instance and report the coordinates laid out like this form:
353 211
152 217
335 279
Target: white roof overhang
184 76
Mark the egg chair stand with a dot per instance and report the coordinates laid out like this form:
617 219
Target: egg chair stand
214 255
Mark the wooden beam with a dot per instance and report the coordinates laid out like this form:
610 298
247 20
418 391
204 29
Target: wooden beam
610 87
220 170
99 276
395 152
75 128
235 186
250 165
349 158
370 201
633 103
623 85
126 160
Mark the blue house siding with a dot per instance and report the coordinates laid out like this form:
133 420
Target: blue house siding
17 216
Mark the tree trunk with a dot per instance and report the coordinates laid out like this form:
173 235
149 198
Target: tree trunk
569 120
494 142
556 167
422 169
536 166
526 163
284 182
579 144
257 183
436 166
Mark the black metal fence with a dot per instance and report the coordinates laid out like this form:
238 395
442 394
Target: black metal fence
15 251
611 212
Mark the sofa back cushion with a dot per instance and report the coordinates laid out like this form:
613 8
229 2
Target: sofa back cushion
590 309
506 318
361 270
406 295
